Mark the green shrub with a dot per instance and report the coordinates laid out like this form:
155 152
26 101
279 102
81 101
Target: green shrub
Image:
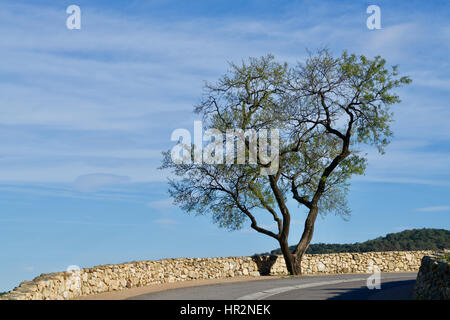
408 240
446 257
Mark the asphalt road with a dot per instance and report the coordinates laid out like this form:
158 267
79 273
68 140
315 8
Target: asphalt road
394 286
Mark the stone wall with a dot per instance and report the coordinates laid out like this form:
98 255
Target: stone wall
433 279
104 278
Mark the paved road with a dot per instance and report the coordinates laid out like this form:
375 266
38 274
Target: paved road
394 286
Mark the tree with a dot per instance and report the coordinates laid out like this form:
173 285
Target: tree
325 109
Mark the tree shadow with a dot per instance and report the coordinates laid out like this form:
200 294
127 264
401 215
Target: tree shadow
392 290
264 263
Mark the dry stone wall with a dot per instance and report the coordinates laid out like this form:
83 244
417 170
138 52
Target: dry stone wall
105 278
433 279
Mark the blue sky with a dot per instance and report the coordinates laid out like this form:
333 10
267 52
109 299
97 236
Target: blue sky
85 114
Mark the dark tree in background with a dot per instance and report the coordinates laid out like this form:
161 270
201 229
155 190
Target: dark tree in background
324 109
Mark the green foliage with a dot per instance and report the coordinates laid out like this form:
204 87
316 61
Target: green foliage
408 240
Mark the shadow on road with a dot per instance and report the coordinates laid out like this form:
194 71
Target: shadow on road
393 290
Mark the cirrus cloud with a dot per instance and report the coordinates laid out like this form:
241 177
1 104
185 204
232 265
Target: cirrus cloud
95 181
434 209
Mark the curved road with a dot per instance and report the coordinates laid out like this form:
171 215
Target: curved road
394 286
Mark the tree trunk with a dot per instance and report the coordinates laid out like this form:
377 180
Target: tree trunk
308 232
294 259
293 262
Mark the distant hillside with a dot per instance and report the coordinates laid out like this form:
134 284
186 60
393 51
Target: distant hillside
415 239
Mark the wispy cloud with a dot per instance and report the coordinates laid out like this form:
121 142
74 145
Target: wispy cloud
130 192
166 221
410 161
380 178
69 222
95 181
162 204
434 209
